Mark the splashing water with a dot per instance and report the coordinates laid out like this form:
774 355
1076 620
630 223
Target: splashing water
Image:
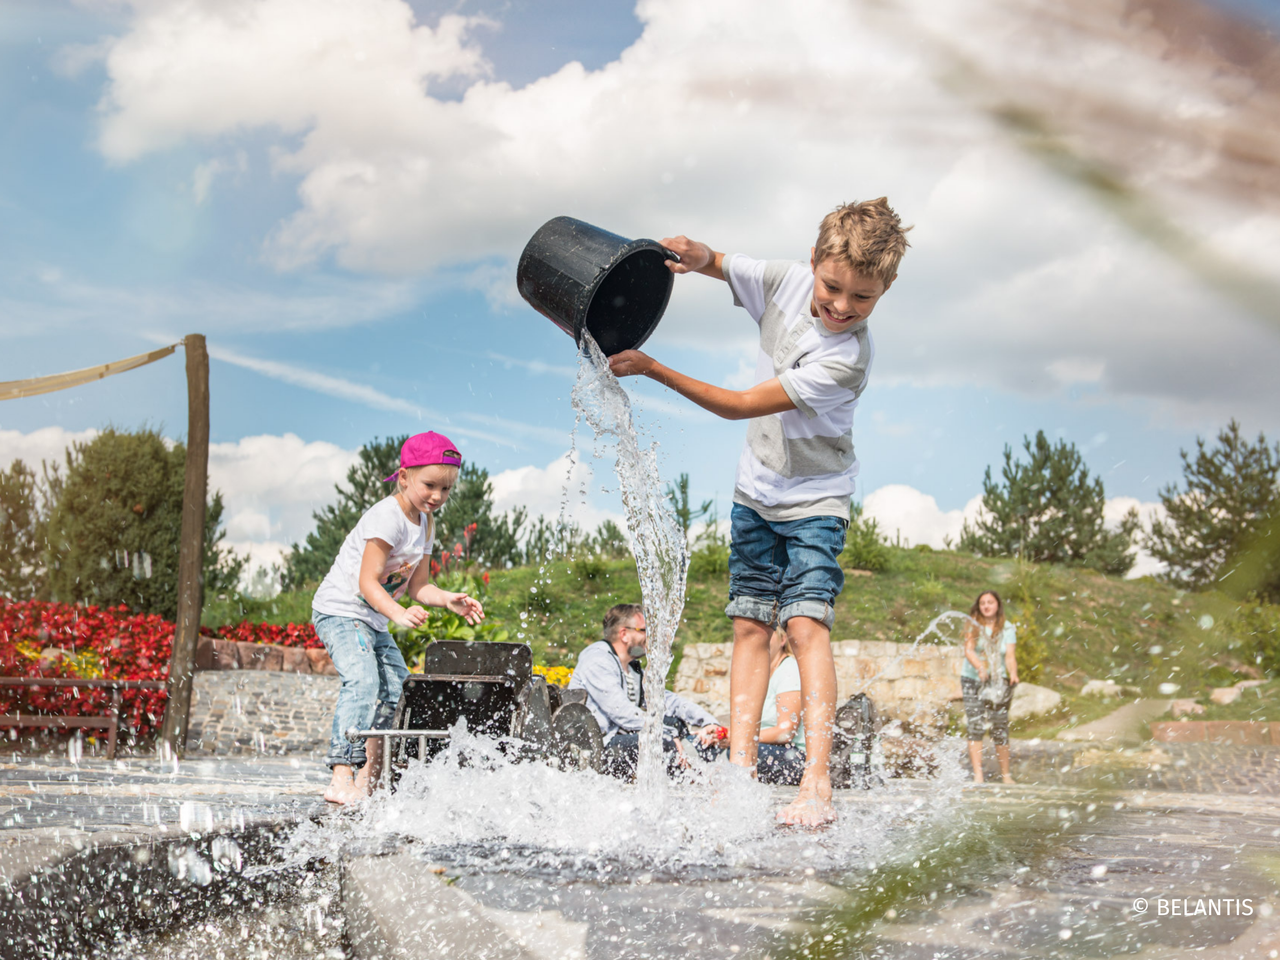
657 542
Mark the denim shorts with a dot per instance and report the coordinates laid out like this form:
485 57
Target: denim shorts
372 671
784 569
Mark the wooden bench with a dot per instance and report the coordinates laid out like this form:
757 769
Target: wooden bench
110 723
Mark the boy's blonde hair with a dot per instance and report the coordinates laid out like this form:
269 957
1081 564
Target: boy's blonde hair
868 236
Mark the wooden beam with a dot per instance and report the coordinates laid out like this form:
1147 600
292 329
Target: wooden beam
173 733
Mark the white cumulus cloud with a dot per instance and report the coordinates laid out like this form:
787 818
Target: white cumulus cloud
712 124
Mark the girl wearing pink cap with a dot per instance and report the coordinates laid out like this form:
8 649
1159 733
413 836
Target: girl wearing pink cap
380 561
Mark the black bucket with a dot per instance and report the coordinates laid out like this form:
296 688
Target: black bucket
586 279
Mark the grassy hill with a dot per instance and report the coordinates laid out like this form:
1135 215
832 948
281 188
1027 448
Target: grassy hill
1137 632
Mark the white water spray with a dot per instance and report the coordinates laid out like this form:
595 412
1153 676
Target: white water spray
657 542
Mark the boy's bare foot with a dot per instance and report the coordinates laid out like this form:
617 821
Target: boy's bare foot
342 787
1009 779
812 806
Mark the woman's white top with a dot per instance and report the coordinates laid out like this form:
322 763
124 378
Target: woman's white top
786 679
339 594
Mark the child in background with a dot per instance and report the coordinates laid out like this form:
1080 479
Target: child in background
798 469
991 710
380 561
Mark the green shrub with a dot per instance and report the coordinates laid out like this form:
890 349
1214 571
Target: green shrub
1257 625
864 546
1031 651
709 560
442 624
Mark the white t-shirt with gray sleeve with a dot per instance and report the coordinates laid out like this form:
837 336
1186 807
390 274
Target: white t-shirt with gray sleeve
799 463
339 593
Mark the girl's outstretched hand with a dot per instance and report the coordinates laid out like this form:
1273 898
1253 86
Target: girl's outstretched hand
466 607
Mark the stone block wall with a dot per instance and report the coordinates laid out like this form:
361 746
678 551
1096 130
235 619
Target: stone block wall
260 698
906 682
269 712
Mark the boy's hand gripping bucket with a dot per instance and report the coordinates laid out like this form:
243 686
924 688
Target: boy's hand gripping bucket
586 279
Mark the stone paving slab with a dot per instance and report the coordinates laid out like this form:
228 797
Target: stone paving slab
50 808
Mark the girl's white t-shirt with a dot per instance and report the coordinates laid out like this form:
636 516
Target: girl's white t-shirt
786 679
339 594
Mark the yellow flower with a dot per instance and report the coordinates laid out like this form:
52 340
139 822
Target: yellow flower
559 676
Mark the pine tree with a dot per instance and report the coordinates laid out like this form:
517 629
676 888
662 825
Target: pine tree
1229 492
686 515
21 572
115 524
467 518
1048 510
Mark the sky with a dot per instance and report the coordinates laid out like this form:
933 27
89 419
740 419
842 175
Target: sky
335 192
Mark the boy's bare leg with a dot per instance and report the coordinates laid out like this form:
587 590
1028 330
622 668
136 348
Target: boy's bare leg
975 760
748 682
1002 755
367 777
812 643
342 787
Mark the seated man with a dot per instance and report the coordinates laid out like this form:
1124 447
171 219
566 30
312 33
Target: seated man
609 670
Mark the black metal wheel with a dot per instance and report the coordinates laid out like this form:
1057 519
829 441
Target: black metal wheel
576 741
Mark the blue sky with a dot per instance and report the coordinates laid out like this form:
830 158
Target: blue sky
335 193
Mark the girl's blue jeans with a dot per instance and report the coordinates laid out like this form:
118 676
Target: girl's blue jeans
372 672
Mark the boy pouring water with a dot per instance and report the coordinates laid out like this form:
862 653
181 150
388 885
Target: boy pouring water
379 562
798 469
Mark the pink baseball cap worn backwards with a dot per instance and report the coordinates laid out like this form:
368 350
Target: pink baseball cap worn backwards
424 449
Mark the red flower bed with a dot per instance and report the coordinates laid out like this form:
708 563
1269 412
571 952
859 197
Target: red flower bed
64 640
290 635
40 639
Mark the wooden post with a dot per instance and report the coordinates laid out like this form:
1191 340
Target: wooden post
173 734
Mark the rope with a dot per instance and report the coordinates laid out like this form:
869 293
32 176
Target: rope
13 389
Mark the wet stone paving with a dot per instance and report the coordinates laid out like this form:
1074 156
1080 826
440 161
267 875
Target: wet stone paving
1163 851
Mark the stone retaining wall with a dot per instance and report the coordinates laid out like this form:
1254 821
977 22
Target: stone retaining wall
906 682
261 711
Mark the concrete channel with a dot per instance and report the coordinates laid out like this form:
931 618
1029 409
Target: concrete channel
140 860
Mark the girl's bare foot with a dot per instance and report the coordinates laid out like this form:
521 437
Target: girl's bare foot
811 807
342 788
1009 779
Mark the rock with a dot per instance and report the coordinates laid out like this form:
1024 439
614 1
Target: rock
1185 708
1245 684
1225 695
1108 688
320 662
1030 700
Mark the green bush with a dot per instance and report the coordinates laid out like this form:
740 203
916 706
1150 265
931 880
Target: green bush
1031 651
864 546
1257 625
443 624
709 560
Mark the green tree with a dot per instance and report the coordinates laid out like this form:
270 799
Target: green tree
307 565
467 518
686 515
115 523
609 541
21 572
1229 492
1048 510
864 544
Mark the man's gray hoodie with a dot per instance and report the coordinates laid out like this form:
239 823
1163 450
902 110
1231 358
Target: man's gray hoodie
599 672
